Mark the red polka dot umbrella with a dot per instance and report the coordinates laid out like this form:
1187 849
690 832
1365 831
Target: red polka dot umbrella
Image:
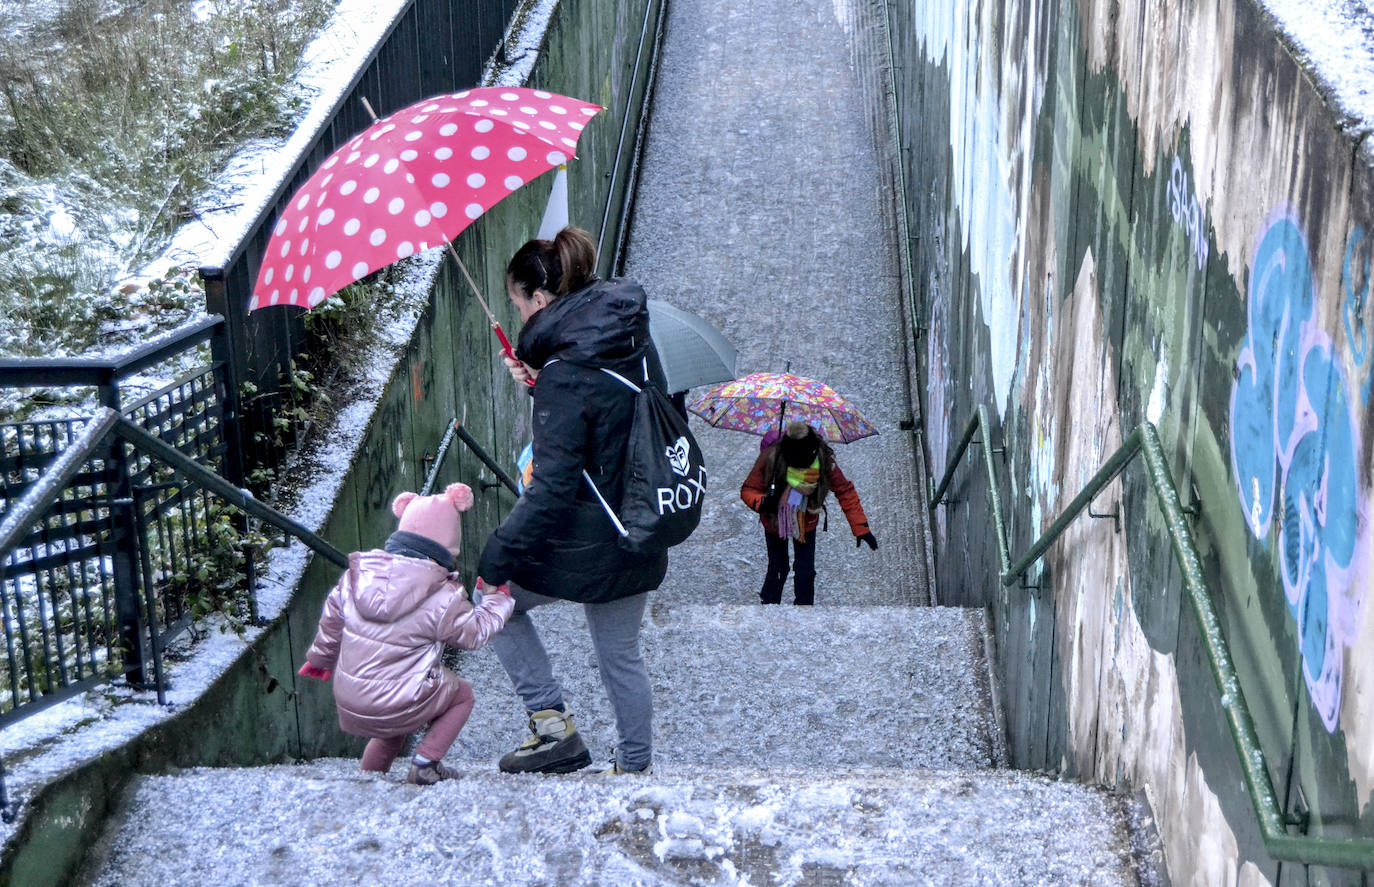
410 181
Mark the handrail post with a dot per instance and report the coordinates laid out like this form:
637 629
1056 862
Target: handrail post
125 542
1115 464
954 461
224 350
486 460
999 523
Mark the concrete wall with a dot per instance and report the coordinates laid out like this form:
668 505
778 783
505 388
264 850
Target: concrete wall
1124 210
258 711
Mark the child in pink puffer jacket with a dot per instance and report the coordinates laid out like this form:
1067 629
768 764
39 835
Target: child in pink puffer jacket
384 627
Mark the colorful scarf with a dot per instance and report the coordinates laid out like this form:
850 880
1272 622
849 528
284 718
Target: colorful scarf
802 483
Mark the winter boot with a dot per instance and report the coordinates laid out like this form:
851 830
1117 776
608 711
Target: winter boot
553 746
428 774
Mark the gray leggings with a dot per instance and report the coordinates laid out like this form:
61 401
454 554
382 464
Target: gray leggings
614 629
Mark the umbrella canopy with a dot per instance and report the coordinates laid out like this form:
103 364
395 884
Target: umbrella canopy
413 180
692 351
760 402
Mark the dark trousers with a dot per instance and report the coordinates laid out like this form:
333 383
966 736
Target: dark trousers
803 569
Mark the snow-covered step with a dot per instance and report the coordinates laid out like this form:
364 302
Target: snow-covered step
329 823
747 685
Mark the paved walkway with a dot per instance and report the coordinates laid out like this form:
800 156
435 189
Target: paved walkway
869 764
760 208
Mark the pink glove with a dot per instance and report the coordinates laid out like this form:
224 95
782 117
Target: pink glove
312 671
484 588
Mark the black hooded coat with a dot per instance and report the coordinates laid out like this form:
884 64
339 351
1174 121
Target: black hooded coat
558 540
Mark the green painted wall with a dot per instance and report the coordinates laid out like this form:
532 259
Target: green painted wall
1125 210
259 711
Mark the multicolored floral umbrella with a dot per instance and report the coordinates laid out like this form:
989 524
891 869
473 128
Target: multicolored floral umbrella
760 402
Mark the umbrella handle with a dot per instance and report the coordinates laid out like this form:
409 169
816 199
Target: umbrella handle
505 345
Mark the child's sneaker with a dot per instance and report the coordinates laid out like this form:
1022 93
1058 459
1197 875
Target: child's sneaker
613 768
553 746
428 774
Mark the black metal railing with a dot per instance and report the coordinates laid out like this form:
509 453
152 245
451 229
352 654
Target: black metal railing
71 620
78 577
56 583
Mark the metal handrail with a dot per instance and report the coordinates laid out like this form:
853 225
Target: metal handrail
30 371
456 429
105 422
241 499
1353 853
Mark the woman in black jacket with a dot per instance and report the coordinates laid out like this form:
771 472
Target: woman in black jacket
558 542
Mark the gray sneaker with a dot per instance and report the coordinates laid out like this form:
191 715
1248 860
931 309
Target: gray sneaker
553 746
430 773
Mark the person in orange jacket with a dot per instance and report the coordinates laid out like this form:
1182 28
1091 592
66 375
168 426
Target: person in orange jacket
788 487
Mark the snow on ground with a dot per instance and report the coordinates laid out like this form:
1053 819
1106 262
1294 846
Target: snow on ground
759 207
740 685
328 823
329 67
1337 36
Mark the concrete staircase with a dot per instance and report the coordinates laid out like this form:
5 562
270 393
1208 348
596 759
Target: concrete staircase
827 745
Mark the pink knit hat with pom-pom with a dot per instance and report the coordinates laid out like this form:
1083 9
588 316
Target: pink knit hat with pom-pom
435 517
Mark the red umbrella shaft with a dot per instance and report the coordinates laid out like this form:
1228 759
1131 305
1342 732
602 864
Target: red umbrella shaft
495 324
505 343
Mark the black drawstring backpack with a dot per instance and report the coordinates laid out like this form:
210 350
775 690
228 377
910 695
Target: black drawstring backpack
665 474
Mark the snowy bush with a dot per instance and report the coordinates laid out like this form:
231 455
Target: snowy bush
114 117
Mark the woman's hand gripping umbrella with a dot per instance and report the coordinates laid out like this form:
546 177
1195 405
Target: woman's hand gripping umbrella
413 180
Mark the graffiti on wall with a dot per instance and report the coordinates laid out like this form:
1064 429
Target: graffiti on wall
1187 212
1355 293
1293 451
983 172
938 390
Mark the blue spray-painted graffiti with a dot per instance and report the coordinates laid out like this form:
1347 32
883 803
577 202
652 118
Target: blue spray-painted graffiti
1293 447
1355 288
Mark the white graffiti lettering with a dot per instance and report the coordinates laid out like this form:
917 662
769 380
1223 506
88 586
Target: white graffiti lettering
1187 212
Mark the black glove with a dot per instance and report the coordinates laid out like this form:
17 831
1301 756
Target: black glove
770 503
866 537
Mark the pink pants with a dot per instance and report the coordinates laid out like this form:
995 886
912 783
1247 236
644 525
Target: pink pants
442 731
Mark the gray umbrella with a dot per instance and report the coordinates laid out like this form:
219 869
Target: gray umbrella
691 350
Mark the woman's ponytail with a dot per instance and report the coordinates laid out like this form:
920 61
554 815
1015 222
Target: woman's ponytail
558 267
576 259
